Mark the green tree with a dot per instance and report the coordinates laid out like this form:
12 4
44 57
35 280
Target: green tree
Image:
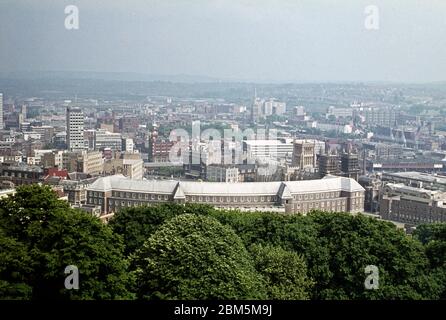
14 265
285 272
352 243
137 224
196 257
433 237
337 247
52 236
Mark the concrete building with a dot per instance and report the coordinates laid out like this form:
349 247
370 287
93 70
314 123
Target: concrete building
267 149
133 168
88 162
380 116
272 107
419 164
339 112
91 163
114 193
383 151
75 129
128 145
256 110
104 139
412 206
416 179
222 173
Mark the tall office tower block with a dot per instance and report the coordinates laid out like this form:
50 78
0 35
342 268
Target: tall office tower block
75 129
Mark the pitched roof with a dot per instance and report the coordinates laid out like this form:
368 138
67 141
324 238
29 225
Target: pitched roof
183 188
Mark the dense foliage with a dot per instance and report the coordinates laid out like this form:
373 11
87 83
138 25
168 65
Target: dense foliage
196 257
40 236
191 251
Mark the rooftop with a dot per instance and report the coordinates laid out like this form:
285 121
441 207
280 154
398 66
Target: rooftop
329 183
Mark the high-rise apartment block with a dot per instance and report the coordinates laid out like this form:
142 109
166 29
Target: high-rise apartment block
75 129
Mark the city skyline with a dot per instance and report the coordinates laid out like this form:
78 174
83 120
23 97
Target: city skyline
247 151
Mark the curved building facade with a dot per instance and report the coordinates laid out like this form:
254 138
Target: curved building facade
332 193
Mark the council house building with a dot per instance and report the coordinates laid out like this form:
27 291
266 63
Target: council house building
332 193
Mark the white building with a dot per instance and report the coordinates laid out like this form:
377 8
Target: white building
274 107
339 112
128 145
267 149
133 168
105 139
75 129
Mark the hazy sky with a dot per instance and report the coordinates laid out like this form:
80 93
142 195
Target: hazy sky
267 40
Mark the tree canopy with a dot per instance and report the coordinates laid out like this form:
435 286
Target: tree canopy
173 251
196 257
44 235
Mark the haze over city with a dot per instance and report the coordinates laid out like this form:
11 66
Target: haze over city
256 41
236 151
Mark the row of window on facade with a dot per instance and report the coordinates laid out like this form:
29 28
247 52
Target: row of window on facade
312 196
321 204
418 218
18 174
131 195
